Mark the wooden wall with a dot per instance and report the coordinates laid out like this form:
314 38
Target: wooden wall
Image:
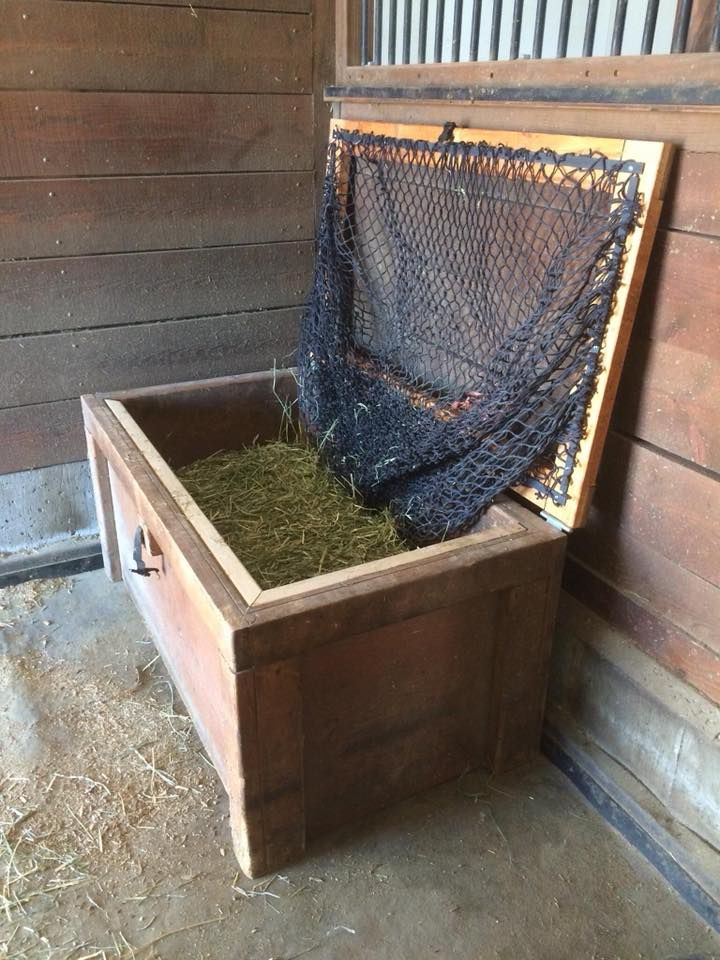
649 560
156 198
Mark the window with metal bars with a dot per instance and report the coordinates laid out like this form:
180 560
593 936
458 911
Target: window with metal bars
446 31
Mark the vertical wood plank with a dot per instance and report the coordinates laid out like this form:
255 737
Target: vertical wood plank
104 508
278 699
524 637
245 787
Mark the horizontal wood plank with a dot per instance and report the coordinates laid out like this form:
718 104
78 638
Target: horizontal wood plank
70 134
48 218
288 6
666 505
138 47
41 435
666 643
53 295
670 397
693 198
59 366
640 572
679 299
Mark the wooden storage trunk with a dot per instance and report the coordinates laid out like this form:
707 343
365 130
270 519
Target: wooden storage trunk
321 701
326 699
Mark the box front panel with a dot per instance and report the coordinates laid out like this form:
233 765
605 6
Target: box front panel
392 712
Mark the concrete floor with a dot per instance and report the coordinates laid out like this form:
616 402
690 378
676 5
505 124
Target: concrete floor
116 841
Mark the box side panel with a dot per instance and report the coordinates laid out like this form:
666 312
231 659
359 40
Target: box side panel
186 632
189 421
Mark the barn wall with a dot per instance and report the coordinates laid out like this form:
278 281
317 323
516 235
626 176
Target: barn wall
157 209
642 582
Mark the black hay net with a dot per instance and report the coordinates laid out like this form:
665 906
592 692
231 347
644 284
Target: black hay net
452 340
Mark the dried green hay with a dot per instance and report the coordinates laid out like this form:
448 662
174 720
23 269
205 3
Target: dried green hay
285 515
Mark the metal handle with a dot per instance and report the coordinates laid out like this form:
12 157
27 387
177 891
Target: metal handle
140 567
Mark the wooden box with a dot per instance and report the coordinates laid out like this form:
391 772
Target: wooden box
326 699
323 700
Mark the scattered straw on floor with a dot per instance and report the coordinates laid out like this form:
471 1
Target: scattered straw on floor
100 776
285 515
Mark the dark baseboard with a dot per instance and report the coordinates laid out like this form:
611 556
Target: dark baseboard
623 813
59 560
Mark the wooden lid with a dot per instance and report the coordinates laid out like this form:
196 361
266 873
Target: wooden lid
653 160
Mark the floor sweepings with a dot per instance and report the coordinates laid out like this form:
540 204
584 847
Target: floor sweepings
285 516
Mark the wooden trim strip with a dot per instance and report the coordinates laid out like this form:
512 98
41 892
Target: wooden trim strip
611 147
676 72
656 96
241 578
382 568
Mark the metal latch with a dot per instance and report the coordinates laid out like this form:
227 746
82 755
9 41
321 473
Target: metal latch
140 567
554 522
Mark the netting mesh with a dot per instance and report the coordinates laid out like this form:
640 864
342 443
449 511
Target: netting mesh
453 335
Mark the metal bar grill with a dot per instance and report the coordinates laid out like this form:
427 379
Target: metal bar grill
682 24
383 40
364 32
457 30
539 33
564 28
475 29
422 39
515 29
392 31
377 32
439 29
495 30
618 28
590 28
715 37
407 25
649 29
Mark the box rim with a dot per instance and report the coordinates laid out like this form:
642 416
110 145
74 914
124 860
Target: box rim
250 592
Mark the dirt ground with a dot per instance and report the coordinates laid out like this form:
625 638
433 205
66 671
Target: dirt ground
114 837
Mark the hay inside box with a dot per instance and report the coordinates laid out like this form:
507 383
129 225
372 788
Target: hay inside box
284 514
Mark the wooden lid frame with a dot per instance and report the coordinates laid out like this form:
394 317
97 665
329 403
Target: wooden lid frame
655 158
